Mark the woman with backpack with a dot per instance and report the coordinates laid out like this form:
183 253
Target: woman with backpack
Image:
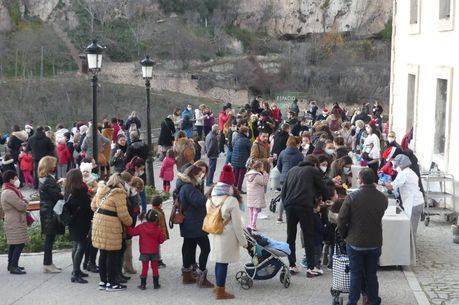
193 203
225 246
79 206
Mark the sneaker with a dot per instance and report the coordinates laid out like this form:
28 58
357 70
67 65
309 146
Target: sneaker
311 273
330 268
294 270
51 269
116 287
102 286
318 271
262 216
279 221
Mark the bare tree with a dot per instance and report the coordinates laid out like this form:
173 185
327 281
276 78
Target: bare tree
140 31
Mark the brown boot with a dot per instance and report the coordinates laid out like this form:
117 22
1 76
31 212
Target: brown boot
202 280
187 277
221 294
127 258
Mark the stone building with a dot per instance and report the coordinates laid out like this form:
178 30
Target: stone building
424 87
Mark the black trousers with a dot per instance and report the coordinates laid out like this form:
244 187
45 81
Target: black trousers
221 142
304 216
108 261
14 253
78 250
120 256
48 249
90 252
35 174
189 251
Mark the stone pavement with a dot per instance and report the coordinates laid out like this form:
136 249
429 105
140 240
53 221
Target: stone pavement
437 268
38 288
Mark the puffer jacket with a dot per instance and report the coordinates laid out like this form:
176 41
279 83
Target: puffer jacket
14 212
256 183
194 207
167 169
288 158
137 149
50 193
260 151
40 145
150 237
241 150
107 230
15 141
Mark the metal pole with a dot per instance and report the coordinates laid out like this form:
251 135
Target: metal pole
95 147
149 161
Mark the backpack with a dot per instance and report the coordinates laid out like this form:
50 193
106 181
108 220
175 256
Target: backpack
62 212
213 222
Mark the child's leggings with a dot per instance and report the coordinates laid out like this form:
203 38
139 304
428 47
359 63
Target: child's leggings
28 178
154 268
253 216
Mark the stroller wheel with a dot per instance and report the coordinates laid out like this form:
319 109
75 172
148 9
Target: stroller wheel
287 281
239 275
283 275
246 282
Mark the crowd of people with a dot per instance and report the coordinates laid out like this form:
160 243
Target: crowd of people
312 150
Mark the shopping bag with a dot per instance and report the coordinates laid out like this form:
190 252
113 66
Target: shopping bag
341 272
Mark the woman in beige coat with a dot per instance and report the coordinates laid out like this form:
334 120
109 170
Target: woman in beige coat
110 217
225 247
13 210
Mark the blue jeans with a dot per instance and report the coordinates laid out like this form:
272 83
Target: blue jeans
220 274
228 155
318 255
364 265
212 167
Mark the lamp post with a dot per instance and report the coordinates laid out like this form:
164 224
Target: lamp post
94 57
147 73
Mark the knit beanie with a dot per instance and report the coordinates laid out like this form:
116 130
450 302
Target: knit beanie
227 175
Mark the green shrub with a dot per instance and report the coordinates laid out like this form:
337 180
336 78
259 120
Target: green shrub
36 240
151 191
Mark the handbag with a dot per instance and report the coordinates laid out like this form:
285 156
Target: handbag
29 219
341 271
177 214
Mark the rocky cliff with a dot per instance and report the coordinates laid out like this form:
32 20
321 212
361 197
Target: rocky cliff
296 18
285 18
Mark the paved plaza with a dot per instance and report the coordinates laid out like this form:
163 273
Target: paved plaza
438 264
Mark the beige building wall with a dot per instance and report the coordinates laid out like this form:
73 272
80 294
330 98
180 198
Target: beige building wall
426 47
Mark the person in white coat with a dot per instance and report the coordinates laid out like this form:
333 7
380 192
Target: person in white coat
225 247
407 184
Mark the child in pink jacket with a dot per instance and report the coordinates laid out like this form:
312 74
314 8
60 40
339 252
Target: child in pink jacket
167 170
257 179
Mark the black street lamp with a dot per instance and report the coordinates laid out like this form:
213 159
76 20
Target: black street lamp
94 58
147 74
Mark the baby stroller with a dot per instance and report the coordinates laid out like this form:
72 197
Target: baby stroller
266 261
341 273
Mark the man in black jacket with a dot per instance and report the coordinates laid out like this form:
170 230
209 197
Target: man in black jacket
302 186
40 146
280 141
360 223
137 148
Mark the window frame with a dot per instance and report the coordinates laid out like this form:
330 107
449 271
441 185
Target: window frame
446 24
415 28
413 70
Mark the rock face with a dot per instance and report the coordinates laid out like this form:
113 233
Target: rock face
5 20
40 8
297 18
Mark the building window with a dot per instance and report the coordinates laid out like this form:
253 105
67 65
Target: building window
440 116
411 99
445 9
414 11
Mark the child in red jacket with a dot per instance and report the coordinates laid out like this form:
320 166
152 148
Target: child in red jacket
63 154
167 170
150 237
26 166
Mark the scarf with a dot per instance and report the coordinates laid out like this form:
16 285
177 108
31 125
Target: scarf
222 189
9 186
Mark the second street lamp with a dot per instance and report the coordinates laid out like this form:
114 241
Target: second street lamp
94 57
147 74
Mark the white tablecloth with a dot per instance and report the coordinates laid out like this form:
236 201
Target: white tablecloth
398 243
